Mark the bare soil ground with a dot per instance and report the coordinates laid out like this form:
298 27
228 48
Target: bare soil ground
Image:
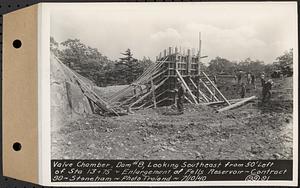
253 131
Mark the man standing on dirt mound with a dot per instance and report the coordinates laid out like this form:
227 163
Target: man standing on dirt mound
180 94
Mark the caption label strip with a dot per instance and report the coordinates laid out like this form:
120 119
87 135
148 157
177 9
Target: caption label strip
169 170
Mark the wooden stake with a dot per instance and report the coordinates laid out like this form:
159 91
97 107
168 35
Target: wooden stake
224 98
186 86
207 88
153 93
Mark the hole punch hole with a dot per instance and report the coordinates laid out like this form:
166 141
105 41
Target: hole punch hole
17 43
17 146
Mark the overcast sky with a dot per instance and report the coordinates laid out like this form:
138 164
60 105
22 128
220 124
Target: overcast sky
231 30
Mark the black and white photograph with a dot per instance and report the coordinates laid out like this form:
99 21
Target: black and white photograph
173 81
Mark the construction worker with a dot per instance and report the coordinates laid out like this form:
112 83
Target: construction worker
253 80
243 90
262 80
266 91
180 95
239 76
215 79
248 78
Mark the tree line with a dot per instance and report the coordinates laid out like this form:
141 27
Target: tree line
92 64
283 63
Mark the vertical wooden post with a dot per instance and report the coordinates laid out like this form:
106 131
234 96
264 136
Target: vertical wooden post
199 69
153 93
189 58
186 87
176 50
170 51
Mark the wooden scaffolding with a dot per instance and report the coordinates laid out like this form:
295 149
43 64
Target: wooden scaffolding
157 85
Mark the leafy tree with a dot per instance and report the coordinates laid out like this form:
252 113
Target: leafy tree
85 60
285 62
221 65
74 53
254 67
90 63
286 59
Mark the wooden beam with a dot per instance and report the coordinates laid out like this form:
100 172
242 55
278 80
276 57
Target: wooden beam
236 104
147 94
140 99
141 106
221 102
223 97
187 87
200 92
207 88
144 77
153 93
188 99
121 94
151 70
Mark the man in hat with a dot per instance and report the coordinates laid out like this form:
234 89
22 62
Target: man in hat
180 95
243 90
262 79
253 80
266 91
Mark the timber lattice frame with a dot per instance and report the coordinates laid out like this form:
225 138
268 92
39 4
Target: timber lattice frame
157 85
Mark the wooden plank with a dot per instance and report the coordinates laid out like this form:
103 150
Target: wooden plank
149 72
140 81
147 94
153 93
207 88
188 99
221 102
200 92
148 102
236 104
140 99
223 97
144 78
187 87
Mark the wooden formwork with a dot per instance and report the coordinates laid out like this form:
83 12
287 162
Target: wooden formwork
158 84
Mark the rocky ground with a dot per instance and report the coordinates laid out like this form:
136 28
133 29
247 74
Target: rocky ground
253 131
